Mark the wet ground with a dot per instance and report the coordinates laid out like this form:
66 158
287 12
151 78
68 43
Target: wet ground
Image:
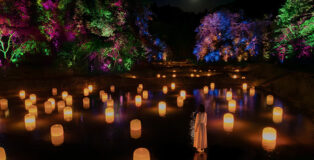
89 136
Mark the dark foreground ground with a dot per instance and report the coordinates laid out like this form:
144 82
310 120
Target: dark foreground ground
88 136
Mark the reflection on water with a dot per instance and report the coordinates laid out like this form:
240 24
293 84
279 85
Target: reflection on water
200 156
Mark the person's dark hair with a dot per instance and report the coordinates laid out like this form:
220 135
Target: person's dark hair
201 108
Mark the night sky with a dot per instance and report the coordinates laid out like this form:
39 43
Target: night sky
193 5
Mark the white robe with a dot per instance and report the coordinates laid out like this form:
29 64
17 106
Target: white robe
200 132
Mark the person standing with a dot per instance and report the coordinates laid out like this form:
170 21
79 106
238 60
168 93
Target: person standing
200 132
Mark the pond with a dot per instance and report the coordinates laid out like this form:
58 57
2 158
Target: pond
234 127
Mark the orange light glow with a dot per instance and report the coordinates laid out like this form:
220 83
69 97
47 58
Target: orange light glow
232 104
162 108
109 115
138 101
269 138
30 122
277 114
135 128
22 94
67 114
57 134
228 122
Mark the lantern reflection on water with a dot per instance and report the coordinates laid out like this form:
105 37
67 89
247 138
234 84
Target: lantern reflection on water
110 103
141 154
57 134
232 104
138 100
28 103
183 94
67 114
145 94
54 91
269 138
3 155
3 104
135 128
180 101
109 115
61 105
228 122
30 122
86 103
205 89
165 89
270 100
33 98
64 94
277 114
162 108
22 94
48 107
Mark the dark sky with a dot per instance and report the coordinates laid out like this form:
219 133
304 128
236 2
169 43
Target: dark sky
193 5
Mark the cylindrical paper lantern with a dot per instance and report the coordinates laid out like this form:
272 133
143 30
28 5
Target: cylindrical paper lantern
57 134
269 138
145 94
64 94
135 128
141 154
228 122
174 75
69 100
86 92
138 100
3 104
90 88
180 101
33 98
205 89
109 115
48 107
54 91
173 86
61 105
53 103
277 114
86 103
232 104
244 86
33 110
270 100
3 155
104 97
67 114
22 94
212 86
228 95
162 108
28 103
158 75
165 89
183 93
30 122
110 103
252 91
112 88
101 92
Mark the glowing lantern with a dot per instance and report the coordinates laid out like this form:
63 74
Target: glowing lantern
104 97
232 104
141 154
237 70
69 100
270 100
2 154
277 114
212 86
208 74
145 94
30 122
139 90
61 105
180 101
86 92
67 114
54 91
109 115
197 75
86 103
3 104
228 122
174 75
22 94
234 76
228 95
28 103
192 75
57 134
101 92
165 89
252 91
173 86
183 93
164 76
90 88
158 75
162 107
48 107
112 88
135 128
138 100
33 110
53 103
174 71
141 86
244 86
64 94
269 138
32 97
110 103
205 89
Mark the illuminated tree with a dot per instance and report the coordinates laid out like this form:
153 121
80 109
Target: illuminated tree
295 30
